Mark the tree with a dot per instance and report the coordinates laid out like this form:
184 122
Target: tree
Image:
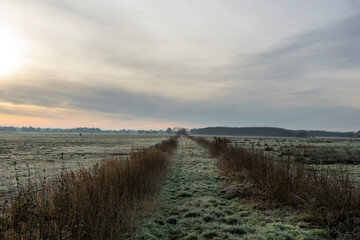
169 131
182 131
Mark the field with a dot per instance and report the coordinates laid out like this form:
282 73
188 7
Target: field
45 154
327 195
327 154
200 196
193 209
312 150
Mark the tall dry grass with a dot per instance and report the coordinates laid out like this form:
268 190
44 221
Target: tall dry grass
98 203
331 199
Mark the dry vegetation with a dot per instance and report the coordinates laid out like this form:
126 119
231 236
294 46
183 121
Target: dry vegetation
97 203
192 207
34 152
332 201
312 150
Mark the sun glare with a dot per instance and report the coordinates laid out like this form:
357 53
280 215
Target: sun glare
10 51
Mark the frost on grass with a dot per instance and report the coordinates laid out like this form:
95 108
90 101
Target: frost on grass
40 156
194 210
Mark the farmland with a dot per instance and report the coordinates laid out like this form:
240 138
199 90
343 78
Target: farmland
192 209
326 194
44 155
327 154
312 150
191 198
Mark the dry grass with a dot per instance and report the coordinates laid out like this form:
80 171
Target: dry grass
331 200
98 203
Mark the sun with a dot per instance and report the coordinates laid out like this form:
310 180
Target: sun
10 51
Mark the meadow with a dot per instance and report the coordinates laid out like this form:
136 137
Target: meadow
312 150
139 187
325 154
326 195
101 201
42 156
192 207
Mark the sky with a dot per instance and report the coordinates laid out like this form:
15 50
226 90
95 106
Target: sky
153 64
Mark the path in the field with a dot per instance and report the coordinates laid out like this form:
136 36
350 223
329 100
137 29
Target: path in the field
193 210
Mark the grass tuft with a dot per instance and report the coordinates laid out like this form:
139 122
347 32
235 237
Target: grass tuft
210 234
184 195
235 230
171 220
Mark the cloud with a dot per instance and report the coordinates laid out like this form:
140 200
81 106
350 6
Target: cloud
201 64
308 68
118 48
332 47
56 93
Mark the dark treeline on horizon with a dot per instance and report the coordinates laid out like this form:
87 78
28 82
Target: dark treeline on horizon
269 132
223 131
175 130
77 130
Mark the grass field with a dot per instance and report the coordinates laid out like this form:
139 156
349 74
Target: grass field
103 201
35 152
189 205
192 209
328 154
328 197
312 150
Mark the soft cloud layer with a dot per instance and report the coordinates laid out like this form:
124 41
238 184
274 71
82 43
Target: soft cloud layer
149 64
317 70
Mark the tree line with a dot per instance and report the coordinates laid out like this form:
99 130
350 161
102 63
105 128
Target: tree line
269 131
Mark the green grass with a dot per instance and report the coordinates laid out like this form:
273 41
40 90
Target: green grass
193 210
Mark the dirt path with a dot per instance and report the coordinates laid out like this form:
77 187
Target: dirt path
193 210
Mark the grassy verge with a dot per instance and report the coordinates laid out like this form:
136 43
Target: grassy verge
193 209
328 200
102 202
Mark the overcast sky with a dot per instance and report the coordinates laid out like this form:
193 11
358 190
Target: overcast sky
154 64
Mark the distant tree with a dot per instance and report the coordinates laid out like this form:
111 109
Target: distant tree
301 134
182 131
169 131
